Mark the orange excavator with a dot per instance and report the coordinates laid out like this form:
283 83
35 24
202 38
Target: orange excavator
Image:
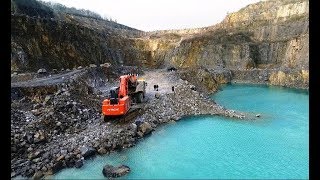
120 100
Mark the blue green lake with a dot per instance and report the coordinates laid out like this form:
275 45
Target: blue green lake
276 146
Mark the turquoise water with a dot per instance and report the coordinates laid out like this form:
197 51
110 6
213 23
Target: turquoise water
275 146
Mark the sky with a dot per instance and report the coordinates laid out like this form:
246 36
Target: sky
150 15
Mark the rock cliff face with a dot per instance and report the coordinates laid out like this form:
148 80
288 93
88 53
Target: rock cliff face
269 36
44 38
49 43
270 33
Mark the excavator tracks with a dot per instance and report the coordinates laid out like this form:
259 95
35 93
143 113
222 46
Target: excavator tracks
128 117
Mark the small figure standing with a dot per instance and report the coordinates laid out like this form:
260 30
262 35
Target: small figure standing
155 87
172 88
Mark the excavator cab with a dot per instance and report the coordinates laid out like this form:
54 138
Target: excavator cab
114 95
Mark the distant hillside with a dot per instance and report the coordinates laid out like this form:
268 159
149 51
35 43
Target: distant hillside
41 9
59 8
31 8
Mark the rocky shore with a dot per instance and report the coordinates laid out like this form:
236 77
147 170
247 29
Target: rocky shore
63 128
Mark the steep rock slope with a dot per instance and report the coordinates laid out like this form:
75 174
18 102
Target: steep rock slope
269 35
265 42
44 38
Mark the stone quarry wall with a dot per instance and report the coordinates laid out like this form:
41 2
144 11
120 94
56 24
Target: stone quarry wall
265 35
55 44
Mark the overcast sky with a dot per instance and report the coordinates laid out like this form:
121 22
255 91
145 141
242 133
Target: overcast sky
149 15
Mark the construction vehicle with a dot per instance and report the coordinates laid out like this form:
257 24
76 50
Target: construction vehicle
119 104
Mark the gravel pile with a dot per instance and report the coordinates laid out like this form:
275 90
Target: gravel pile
184 101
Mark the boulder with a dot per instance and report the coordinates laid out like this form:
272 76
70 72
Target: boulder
47 100
13 174
102 151
42 71
113 172
29 172
44 169
57 166
171 69
58 123
40 137
36 112
105 65
37 175
87 151
145 128
172 122
157 95
92 65
36 160
60 158
192 87
140 134
138 122
79 163
133 127
70 162
34 155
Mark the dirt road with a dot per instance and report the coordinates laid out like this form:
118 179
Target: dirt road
161 77
49 80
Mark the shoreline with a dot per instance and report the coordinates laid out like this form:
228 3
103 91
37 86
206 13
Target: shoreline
268 84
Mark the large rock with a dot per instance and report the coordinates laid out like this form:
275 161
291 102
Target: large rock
138 122
42 71
134 128
34 155
40 137
105 65
157 95
79 163
102 151
37 175
87 152
47 100
145 128
92 65
57 166
111 171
